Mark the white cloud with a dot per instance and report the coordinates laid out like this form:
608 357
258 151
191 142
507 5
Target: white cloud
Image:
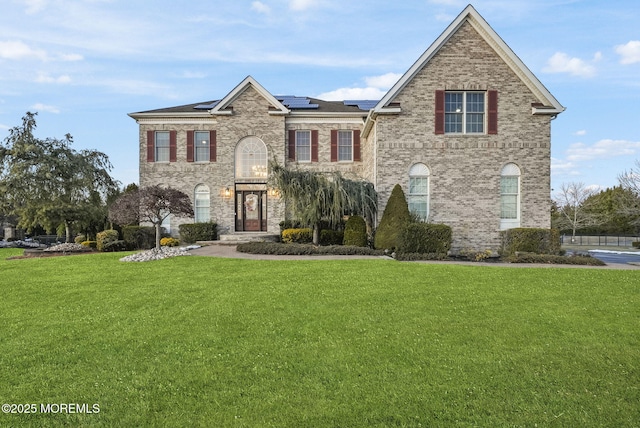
260 7
563 167
35 6
602 149
385 81
45 78
19 50
71 57
300 5
629 53
47 108
560 62
580 132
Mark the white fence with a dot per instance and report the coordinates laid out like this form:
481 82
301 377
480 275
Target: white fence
601 240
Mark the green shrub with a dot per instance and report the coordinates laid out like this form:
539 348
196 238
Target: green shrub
139 237
355 232
193 232
635 244
112 246
300 236
530 240
169 242
408 257
331 237
523 257
89 244
80 239
425 238
289 224
394 218
294 249
104 238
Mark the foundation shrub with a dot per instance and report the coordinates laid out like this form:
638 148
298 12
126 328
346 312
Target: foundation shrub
298 236
79 239
139 237
294 249
425 238
193 232
395 217
331 237
523 257
355 232
530 240
635 244
169 242
104 238
112 246
89 244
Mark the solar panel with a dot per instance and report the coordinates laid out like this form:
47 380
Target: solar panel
362 104
293 102
206 106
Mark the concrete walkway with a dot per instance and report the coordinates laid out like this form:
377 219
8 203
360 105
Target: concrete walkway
229 251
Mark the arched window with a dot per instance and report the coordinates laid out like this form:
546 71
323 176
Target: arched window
419 190
510 196
251 159
202 203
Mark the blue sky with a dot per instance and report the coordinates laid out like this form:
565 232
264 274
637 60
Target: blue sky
84 64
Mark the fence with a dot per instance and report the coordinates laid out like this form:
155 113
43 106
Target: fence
600 240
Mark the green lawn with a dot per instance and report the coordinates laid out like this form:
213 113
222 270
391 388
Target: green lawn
197 341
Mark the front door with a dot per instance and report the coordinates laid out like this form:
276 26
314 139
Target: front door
251 210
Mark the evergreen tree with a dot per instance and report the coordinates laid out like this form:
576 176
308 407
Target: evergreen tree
395 217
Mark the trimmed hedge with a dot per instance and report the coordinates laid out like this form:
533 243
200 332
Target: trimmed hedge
410 257
355 232
104 238
331 237
192 232
523 257
139 237
294 249
300 236
395 216
530 240
425 238
635 244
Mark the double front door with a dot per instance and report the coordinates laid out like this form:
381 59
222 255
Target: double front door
251 209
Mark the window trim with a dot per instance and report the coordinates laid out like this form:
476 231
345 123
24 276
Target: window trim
465 113
420 170
338 146
156 147
207 157
297 146
511 170
201 189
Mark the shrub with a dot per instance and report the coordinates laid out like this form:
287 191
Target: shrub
331 237
192 232
635 244
425 238
139 237
355 232
523 257
89 244
169 242
80 239
299 236
394 218
408 257
530 240
117 245
104 238
280 249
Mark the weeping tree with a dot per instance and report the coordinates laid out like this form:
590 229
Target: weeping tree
314 197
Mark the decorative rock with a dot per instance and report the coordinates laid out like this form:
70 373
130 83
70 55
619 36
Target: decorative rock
155 254
67 248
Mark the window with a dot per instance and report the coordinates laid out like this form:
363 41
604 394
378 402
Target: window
202 146
251 159
303 146
202 203
464 112
162 146
510 196
419 190
345 146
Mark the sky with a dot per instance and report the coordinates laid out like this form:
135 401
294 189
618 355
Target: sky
83 65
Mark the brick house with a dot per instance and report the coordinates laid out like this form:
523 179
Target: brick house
466 131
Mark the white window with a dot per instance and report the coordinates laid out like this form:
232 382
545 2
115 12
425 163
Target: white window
510 196
202 203
303 146
419 190
251 159
345 146
202 146
464 112
162 146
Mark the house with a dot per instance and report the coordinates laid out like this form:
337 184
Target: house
466 131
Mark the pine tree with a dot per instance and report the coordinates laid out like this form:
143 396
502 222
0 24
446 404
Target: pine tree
395 217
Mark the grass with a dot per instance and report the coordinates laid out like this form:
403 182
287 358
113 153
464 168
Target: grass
196 341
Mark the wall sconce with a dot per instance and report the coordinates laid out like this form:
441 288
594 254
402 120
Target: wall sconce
274 192
227 192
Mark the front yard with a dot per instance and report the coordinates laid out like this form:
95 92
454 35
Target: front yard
197 341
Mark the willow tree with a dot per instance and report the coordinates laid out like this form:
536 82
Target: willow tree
314 197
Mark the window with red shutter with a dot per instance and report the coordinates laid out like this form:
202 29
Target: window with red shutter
314 146
173 146
492 120
439 119
190 146
213 146
151 146
292 145
356 146
334 145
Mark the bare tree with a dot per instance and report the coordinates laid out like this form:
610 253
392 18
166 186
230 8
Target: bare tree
573 207
152 204
630 181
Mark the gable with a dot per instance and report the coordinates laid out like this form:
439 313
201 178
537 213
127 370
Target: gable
223 107
545 102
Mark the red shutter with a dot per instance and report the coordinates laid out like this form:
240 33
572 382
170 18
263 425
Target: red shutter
151 146
190 146
334 146
356 146
173 146
492 125
292 145
314 146
439 112
213 146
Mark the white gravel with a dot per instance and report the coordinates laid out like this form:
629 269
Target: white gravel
67 248
154 254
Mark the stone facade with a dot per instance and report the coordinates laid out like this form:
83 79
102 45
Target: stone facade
399 132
